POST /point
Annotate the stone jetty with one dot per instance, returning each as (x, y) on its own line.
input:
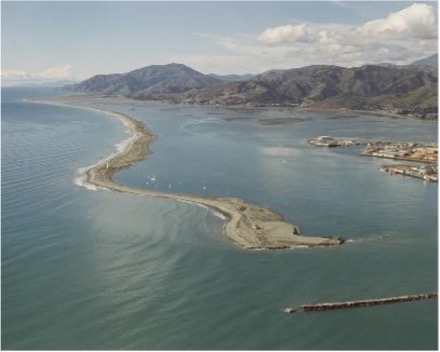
(307, 308)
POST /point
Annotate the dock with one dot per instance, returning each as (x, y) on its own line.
(307, 308)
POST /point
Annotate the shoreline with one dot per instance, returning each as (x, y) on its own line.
(341, 110)
(248, 226)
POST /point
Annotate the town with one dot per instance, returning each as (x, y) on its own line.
(409, 151)
(427, 172)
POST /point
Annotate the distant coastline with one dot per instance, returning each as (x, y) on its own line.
(345, 112)
(409, 90)
(249, 226)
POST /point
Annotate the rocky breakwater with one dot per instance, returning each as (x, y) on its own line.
(320, 307)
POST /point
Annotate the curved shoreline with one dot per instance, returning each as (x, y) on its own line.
(247, 225)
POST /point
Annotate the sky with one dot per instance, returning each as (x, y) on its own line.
(50, 41)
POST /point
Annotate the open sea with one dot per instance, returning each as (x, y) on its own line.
(96, 269)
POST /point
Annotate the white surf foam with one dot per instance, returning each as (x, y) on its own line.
(121, 146)
(218, 214)
(124, 122)
(81, 174)
(210, 209)
(81, 179)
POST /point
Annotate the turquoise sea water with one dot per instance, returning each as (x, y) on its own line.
(85, 269)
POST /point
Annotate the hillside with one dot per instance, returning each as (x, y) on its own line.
(151, 82)
(410, 89)
(399, 89)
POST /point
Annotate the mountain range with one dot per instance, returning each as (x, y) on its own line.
(409, 89)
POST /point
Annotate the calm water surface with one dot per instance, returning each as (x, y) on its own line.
(85, 269)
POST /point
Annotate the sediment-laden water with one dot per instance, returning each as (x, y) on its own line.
(84, 269)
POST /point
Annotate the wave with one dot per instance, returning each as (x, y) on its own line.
(211, 210)
(81, 174)
(218, 214)
(81, 180)
(121, 146)
(124, 122)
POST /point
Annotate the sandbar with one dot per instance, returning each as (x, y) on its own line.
(247, 225)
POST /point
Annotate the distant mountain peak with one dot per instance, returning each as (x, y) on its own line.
(148, 82)
(427, 61)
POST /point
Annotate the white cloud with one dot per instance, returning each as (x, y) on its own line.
(56, 72)
(416, 21)
(14, 75)
(289, 34)
(49, 74)
(399, 38)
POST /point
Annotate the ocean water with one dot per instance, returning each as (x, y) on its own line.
(84, 269)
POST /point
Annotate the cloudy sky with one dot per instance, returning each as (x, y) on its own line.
(44, 41)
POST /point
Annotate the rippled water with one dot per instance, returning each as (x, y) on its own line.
(86, 269)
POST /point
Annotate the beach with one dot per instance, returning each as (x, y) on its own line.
(247, 225)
